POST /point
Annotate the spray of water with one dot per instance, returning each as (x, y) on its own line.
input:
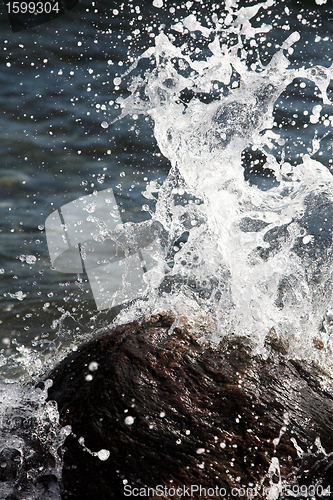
(235, 257)
(30, 441)
(249, 257)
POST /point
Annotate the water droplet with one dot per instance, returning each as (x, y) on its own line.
(103, 455)
(30, 259)
(91, 207)
(129, 420)
(93, 366)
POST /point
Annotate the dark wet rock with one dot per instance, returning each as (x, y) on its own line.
(171, 411)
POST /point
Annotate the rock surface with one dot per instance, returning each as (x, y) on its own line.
(150, 405)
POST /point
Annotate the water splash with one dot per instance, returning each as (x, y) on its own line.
(246, 259)
(30, 440)
(254, 258)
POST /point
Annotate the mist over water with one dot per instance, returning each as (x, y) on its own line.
(244, 117)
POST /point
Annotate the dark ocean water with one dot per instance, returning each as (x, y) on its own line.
(56, 83)
(56, 90)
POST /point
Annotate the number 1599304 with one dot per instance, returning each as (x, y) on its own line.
(32, 7)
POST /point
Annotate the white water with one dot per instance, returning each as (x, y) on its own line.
(30, 442)
(252, 260)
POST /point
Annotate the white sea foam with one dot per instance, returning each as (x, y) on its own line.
(254, 259)
(30, 439)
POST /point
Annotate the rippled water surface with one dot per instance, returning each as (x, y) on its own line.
(56, 90)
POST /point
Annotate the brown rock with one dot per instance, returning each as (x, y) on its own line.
(174, 412)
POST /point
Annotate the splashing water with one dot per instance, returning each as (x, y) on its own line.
(249, 256)
(238, 257)
(30, 439)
